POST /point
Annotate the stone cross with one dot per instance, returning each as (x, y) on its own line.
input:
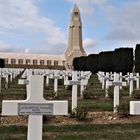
(11, 76)
(0, 79)
(5, 75)
(66, 76)
(137, 81)
(47, 74)
(116, 83)
(116, 90)
(120, 79)
(103, 81)
(131, 79)
(35, 106)
(55, 75)
(102, 78)
(83, 82)
(7, 78)
(107, 78)
(74, 82)
(28, 74)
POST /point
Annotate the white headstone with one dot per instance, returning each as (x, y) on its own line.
(35, 106)
(135, 107)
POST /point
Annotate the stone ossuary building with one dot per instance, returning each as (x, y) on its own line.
(74, 49)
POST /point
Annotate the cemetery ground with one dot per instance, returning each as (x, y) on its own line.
(100, 123)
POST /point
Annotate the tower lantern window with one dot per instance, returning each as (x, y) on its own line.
(76, 13)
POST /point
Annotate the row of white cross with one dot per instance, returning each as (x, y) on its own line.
(8, 74)
(35, 105)
(116, 80)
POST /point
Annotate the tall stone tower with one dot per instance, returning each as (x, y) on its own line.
(75, 46)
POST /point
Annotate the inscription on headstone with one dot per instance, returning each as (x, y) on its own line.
(35, 109)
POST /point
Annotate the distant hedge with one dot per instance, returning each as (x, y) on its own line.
(106, 61)
(80, 63)
(137, 58)
(93, 63)
(2, 63)
(123, 60)
(120, 60)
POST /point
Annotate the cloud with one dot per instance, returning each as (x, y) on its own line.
(27, 50)
(130, 44)
(4, 46)
(88, 43)
(124, 21)
(24, 16)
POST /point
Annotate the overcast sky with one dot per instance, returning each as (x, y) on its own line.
(41, 26)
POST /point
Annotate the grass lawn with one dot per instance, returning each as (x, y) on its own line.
(77, 132)
(82, 131)
(96, 105)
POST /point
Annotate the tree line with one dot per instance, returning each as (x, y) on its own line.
(120, 60)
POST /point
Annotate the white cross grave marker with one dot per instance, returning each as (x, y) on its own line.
(130, 81)
(35, 106)
(102, 78)
(0, 79)
(137, 81)
(120, 78)
(83, 82)
(56, 77)
(66, 76)
(47, 78)
(107, 78)
(48, 74)
(5, 75)
(74, 82)
(117, 85)
(103, 81)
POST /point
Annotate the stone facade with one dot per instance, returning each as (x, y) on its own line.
(33, 59)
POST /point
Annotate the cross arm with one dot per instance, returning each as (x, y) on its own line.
(12, 107)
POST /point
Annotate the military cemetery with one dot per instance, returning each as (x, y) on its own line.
(75, 96)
